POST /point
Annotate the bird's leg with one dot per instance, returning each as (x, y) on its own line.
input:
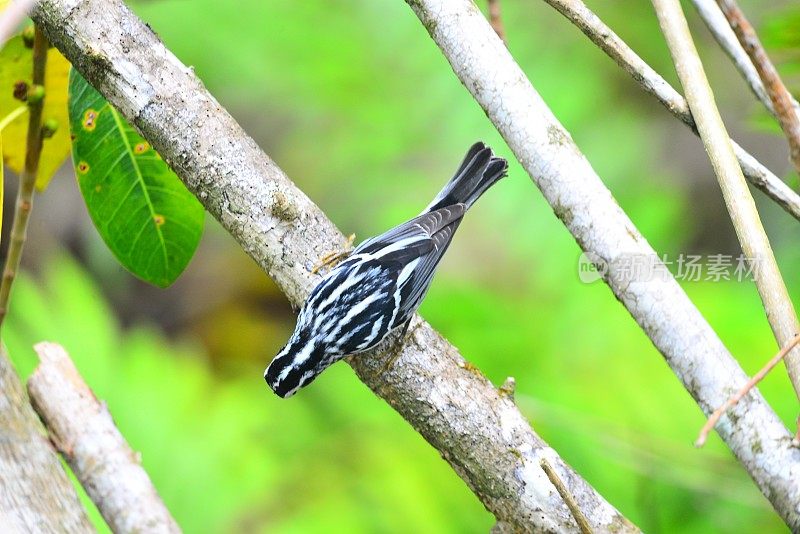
(332, 259)
(397, 347)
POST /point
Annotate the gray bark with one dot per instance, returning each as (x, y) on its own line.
(98, 454)
(578, 197)
(478, 430)
(35, 493)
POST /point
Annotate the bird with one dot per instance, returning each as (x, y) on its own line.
(379, 286)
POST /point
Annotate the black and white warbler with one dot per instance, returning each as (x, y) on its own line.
(382, 283)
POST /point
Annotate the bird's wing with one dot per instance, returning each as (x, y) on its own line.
(413, 250)
(413, 283)
(413, 232)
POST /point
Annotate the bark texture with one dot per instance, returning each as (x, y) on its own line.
(478, 430)
(82, 429)
(35, 493)
(578, 197)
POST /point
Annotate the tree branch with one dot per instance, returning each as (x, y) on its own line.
(565, 494)
(27, 181)
(742, 209)
(496, 19)
(478, 431)
(610, 43)
(578, 197)
(719, 27)
(35, 493)
(82, 429)
(753, 382)
(782, 101)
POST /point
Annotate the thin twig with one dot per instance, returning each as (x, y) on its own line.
(27, 181)
(718, 25)
(752, 237)
(569, 500)
(782, 101)
(496, 20)
(744, 390)
(796, 439)
(610, 43)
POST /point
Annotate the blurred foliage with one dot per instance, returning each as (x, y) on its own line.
(360, 109)
(225, 454)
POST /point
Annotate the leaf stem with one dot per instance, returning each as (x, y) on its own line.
(27, 182)
(11, 117)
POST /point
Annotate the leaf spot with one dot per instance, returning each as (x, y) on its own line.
(83, 167)
(159, 219)
(90, 120)
(141, 148)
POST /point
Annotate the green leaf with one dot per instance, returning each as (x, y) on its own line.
(16, 65)
(143, 212)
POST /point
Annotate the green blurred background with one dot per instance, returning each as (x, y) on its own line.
(355, 102)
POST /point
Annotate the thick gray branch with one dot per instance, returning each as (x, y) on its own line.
(694, 352)
(652, 82)
(35, 493)
(82, 429)
(478, 430)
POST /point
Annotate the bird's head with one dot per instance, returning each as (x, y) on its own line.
(297, 364)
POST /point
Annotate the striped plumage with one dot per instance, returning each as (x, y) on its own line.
(380, 286)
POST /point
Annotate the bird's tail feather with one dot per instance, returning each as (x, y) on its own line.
(478, 172)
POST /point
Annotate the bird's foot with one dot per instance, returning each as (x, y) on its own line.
(332, 259)
(398, 345)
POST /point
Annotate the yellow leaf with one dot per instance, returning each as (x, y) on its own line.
(2, 181)
(16, 64)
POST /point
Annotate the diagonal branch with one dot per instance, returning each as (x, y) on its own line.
(741, 207)
(719, 27)
(35, 493)
(652, 82)
(782, 101)
(479, 431)
(752, 430)
(84, 433)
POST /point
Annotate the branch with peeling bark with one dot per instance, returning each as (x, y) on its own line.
(35, 493)
(609, 42)
(479, 431)
(82, 429)
(566, 179)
